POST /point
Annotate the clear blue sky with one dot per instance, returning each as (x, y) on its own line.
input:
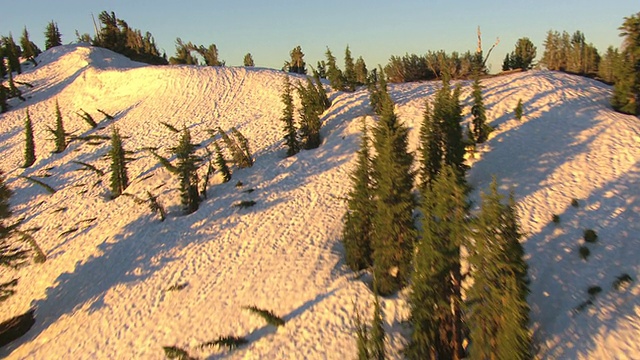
(374, 29)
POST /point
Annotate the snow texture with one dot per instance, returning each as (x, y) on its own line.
(106, 289)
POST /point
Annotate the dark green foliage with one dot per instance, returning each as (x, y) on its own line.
(433, 65)
(174, 352)
(362, 336)
(350, 80)
(267, 315)
(116, 35)
(119, 178)
(29, 49)
(183, 54)
(39, 256)
(518, 110)
(498, 313)
(377, 334)
(59, 135)
(584, 252)
(170, 127)
(165, 163)
(52, 36)
(313, 105)
(441, 139)
(290, 131)
(358, 227)
(221, 163)
(436, 299)
(522, 57)
(590, 236)
(594, 290)
(229, 342)
(336, 79)
(7, 288)
(378, 94)
(238, 147)
(575, 203)
(88, 119)
(210, 170)
(555, 218)
(394, 231)
(155, 206)
(3, 66)
(622, 281)
(297, 64)
(361, 71)
(480, 128)
(248, 60)
(29, 143)
(322, 93)
(626, 92)
(4, 94)
(506, 63)
(48, 188)
(14, 92)
(12, 52)
(570, 53)
(187, 172)
(321, 69)
(245, 204)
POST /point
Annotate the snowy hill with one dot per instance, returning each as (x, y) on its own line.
(104, 291)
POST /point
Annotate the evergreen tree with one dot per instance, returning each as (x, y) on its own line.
(119, 178)
(29, 143)
(498, 310)
(321, 69)
(431, 148)
(378, 94)
(506, 63)
(12, 52)
(322, 93)
(518, 110)
(358, 226)
(312, 107)
(59, 135)
(243, 145)
(436, 299)
(297, 64)
(608, 65)
(290, 131)
(376, 341)
(350, 79)
(3, 66)
(478, 111)
(248, 60)
(187, 172)
(361, 71)
(221, 163)
(626, 92)
(336, 79)
(394, 232)
(29, 49)
(523, 55)
(183, 54)
(52, 36)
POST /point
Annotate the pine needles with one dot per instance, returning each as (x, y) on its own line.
(267, 315)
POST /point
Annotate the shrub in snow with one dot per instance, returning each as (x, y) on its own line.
(88, 119)
(267, 315)
(594, 290)
(518, 110)
(245, 204)
(230, 342)
(590, 236)
(29, 143)
(622, 281)
(174, 352)
(119, 177)
(556, 219)
(575, 203)
(584, 252)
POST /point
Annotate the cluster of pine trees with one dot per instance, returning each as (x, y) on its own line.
(570, 53)
(521, 57)
(184, 54)
(380, 234)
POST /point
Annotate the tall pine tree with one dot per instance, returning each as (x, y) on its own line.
(12, 52)
(29, 49)
(480, 128)
(361, 71)
(29, 143)
(436, 300)
(498, 312)
(626, 91)
(290, 131)
(336, 79)
(119, 178)
(394, 232)
(358, 226)
(187, 172)
(350, 80)
(59, 135)
(52, 36)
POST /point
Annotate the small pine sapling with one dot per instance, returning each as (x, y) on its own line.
(290, 131)
(230, 342)
(59, 135)
(584, 252)
(187, 172)
(590, 236)
(221, 163)
(88, 119)
(267, 315)
(518, 110)
(207, 176)
(30, 147)
(244, 147)
(119, 177)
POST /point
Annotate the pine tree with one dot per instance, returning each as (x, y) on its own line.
(290, 131)
(626, 92)
(187, 172)
(52, 36)
(336, 79)
(297, 64)
(478, 111)
(248, 60)
(29, 49)
(312, 107)
(3, 66)
(243, 144)
(59, 134)
(498, 310)
(506, 63)
(4, 92)
(321, 69)
(436, 299)
(523, 55)
(119, 178)
(378, 94)
(358, 227)
(394, 231)
(29, 143)
(221, 163)
(608, 64)
(361, 71)
(349, 71)
(12, 52)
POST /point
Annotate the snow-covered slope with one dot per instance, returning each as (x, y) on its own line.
(103, 292)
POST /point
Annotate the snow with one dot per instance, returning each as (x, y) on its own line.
(103, 291)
